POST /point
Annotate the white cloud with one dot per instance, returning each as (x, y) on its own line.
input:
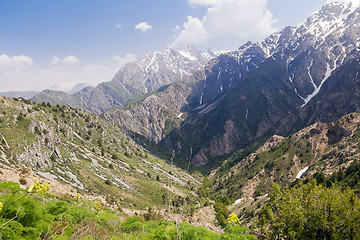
(55, 60)
(240, 18)
(143, 26)
(18, 73)
(15, 63)
(119, 25)
(194, 33)
(14, 71)
(177, 28)
(124, 60)
(71, 60)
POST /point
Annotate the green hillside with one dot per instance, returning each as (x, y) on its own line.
(76, 147)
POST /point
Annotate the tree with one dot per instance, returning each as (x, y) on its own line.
(311, 211)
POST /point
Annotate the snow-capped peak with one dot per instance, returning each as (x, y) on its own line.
(160, 68)
(188, 55)
(329, 18)
(190, 52)
(345, 2)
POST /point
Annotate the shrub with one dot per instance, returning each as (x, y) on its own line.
(311, 211)
(57, 207)
(22, 181)
(131, 224)
(20, 118)
(76, 214)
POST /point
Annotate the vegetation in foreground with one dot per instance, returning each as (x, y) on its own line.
(35, 214)
(311, 211)
(303, 211)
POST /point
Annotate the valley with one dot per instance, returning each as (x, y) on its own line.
(262, 142)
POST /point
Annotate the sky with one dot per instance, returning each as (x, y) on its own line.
(57, 44)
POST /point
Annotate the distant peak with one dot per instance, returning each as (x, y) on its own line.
(347, 4)
(189, 47)
(344, 1)
(189, 52)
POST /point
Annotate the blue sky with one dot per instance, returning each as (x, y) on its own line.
(60, 43)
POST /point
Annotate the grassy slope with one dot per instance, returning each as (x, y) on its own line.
(78, 148)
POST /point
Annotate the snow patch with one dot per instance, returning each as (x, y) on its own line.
(242, 199)
(302, 171)
(202, 94)
(317, 89)
(249, 198)
(299, 95)
(218, 76)
(187, 55)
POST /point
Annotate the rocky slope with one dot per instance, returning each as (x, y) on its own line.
(76, 148)
(155, 116)
(320, 148)
(142, 76)
(290, 80)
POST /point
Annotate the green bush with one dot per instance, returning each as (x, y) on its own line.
(10, 187)
(221, 213)
(237, 232)
(76, 214)
(23, 216)
(189, 232)
(56, 208)
(131, 224)
(31, 215)
(11, 230)
(311, 211)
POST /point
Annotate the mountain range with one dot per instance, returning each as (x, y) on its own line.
(142, 76)
(290, 80)
(206, 106)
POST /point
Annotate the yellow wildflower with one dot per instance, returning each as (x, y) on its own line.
(97, 206)
(233, 219)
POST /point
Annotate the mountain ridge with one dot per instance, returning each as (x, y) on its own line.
(279, 87)
(263, 83)
(143, 75)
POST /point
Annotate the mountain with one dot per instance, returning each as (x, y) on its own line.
(322, 149)
(78, 87)
(155, 116)
(290, 80)
(142, 76)
(77, 149)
